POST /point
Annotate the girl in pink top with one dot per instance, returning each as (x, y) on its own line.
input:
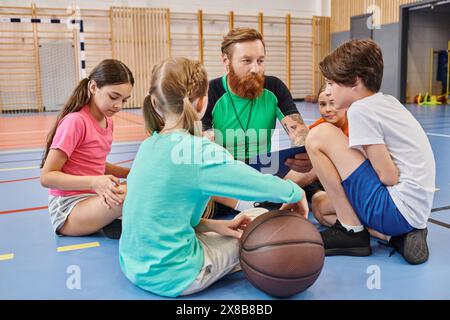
(85, 192)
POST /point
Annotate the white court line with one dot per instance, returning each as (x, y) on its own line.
(438, 135)
(126, 143)
(19, 151)
(40, 150)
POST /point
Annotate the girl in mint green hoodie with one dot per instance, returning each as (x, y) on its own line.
(166, 246)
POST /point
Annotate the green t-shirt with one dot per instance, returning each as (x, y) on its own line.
(234, 118)
(170, 183)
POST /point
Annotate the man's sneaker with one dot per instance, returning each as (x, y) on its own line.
(339, 241)
(412, 246)
(114, 229)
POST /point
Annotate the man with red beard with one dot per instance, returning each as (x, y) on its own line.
(244, 104)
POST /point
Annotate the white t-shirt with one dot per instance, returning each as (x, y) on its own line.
(382, 119)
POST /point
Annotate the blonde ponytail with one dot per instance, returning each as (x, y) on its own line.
(190, 119)
(153, 121)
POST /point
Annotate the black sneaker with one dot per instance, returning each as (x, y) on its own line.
(113, 230)
(268, 205)
(412, 246)
(340, 242)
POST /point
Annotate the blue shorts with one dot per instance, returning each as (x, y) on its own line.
(372, 202)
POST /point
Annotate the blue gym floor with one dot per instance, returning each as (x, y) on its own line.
(32, 267)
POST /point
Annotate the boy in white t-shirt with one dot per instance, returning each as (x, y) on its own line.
(383, 176)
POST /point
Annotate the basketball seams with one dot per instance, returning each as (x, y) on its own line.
(280, 244)
(279, 277)
(275, 216)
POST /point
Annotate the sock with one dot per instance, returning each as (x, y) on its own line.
(354, 228)
(244, 205)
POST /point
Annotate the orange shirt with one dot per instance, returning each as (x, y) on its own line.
(322, 120)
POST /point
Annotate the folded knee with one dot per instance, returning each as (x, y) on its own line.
(318, 215)
(319, 135)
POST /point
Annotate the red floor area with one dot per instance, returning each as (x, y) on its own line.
(30, 131)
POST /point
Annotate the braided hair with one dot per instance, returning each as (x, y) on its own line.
(175, 84)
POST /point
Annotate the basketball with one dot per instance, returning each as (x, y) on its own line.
(281, 253)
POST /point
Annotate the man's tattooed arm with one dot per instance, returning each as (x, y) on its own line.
(295, 128)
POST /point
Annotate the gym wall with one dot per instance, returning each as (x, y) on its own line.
(301, 9)
(295, 44)
(386, 32)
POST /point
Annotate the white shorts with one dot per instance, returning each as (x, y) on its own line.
(221, 256)
(60, 207)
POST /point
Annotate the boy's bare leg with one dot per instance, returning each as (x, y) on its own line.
(378, 235)
(333, 162)
(323, 209)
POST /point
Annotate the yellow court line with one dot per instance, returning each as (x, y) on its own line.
(19, 168)
(8, 256)
(78, 246)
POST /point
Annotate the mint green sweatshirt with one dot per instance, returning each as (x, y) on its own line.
(171, 181)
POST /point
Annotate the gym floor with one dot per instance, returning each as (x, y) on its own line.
(37, 264)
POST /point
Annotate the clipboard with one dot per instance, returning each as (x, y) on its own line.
(273, 162)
